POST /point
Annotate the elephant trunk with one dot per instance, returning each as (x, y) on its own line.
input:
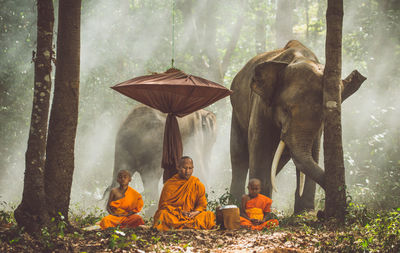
(275, 162)
(308, 166)
(300, 146)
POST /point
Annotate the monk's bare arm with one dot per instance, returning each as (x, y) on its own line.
(111, 199)
(245, 198)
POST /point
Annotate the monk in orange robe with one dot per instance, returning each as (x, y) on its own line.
(123, 204)
(183, 202)
(255, 211)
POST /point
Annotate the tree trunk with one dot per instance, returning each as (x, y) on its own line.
(284, 22)
(204, 39)
(306, 9)
(31, 212)
(335, 200)
(64, 112)
(261, 31)
(209, 41)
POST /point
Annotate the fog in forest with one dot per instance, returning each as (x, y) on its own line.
(124, 39)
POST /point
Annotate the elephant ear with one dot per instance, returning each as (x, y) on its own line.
(266, 79)
(266, 74)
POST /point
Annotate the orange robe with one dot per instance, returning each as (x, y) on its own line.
(183, 195)
(255, 209)
(132, 202)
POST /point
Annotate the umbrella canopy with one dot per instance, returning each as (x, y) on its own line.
(178, 94)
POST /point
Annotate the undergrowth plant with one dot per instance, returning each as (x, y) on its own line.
(225, 199)
(86, 216)
(6, 213)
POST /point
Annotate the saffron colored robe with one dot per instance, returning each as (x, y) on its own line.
(180, 195)
(255, 209)
(132, 202)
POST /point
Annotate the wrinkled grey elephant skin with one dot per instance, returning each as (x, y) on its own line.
(139, 143)
(277, 96)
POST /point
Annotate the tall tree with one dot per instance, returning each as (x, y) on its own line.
(59, 167)
(284, 22)
(203, 44)
(335, 200)
(32, 213)
(261, 29)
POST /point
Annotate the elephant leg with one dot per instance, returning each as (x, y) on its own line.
(151, 178)
(239, 159)
(122, 161)
(263, 140)
(200, 168)
(306, 201)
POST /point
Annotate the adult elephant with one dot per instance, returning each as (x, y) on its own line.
(277, 100)
(139, 144)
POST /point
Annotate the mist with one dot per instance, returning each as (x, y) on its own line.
(124, 39)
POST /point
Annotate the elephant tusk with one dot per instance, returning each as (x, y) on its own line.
(275, 163)
(302, 182)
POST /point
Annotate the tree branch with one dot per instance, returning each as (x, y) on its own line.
(352, 83)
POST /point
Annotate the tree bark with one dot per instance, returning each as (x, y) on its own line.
(335, 199)
(64, 112)
(31, 213)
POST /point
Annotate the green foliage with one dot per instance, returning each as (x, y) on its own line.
(370, 231)
(86, 216)
(6, 213)
(118, 240)
(383, 232)
(61, 225)
(370, 44)
(225, 199)
(46, 238)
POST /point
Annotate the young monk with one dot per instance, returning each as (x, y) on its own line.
(123, 204)
(183, 202)
(255, 211)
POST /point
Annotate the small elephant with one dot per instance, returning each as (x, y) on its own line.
(139, 143)
(277, 100)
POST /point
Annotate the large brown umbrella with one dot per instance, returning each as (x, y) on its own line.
(178, 94)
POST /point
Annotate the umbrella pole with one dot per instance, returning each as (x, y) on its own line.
(173, 34)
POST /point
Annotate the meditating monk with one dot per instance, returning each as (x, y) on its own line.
(255, 211)
(123, 204)
(183, 202)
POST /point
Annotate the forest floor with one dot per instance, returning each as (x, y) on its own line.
(301, 233)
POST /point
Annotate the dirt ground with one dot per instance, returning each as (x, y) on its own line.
(146, 239)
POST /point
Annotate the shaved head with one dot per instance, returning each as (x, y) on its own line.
(125, 172)
(185, 167)
(254, 181)
(183, 159)
(254, 187)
